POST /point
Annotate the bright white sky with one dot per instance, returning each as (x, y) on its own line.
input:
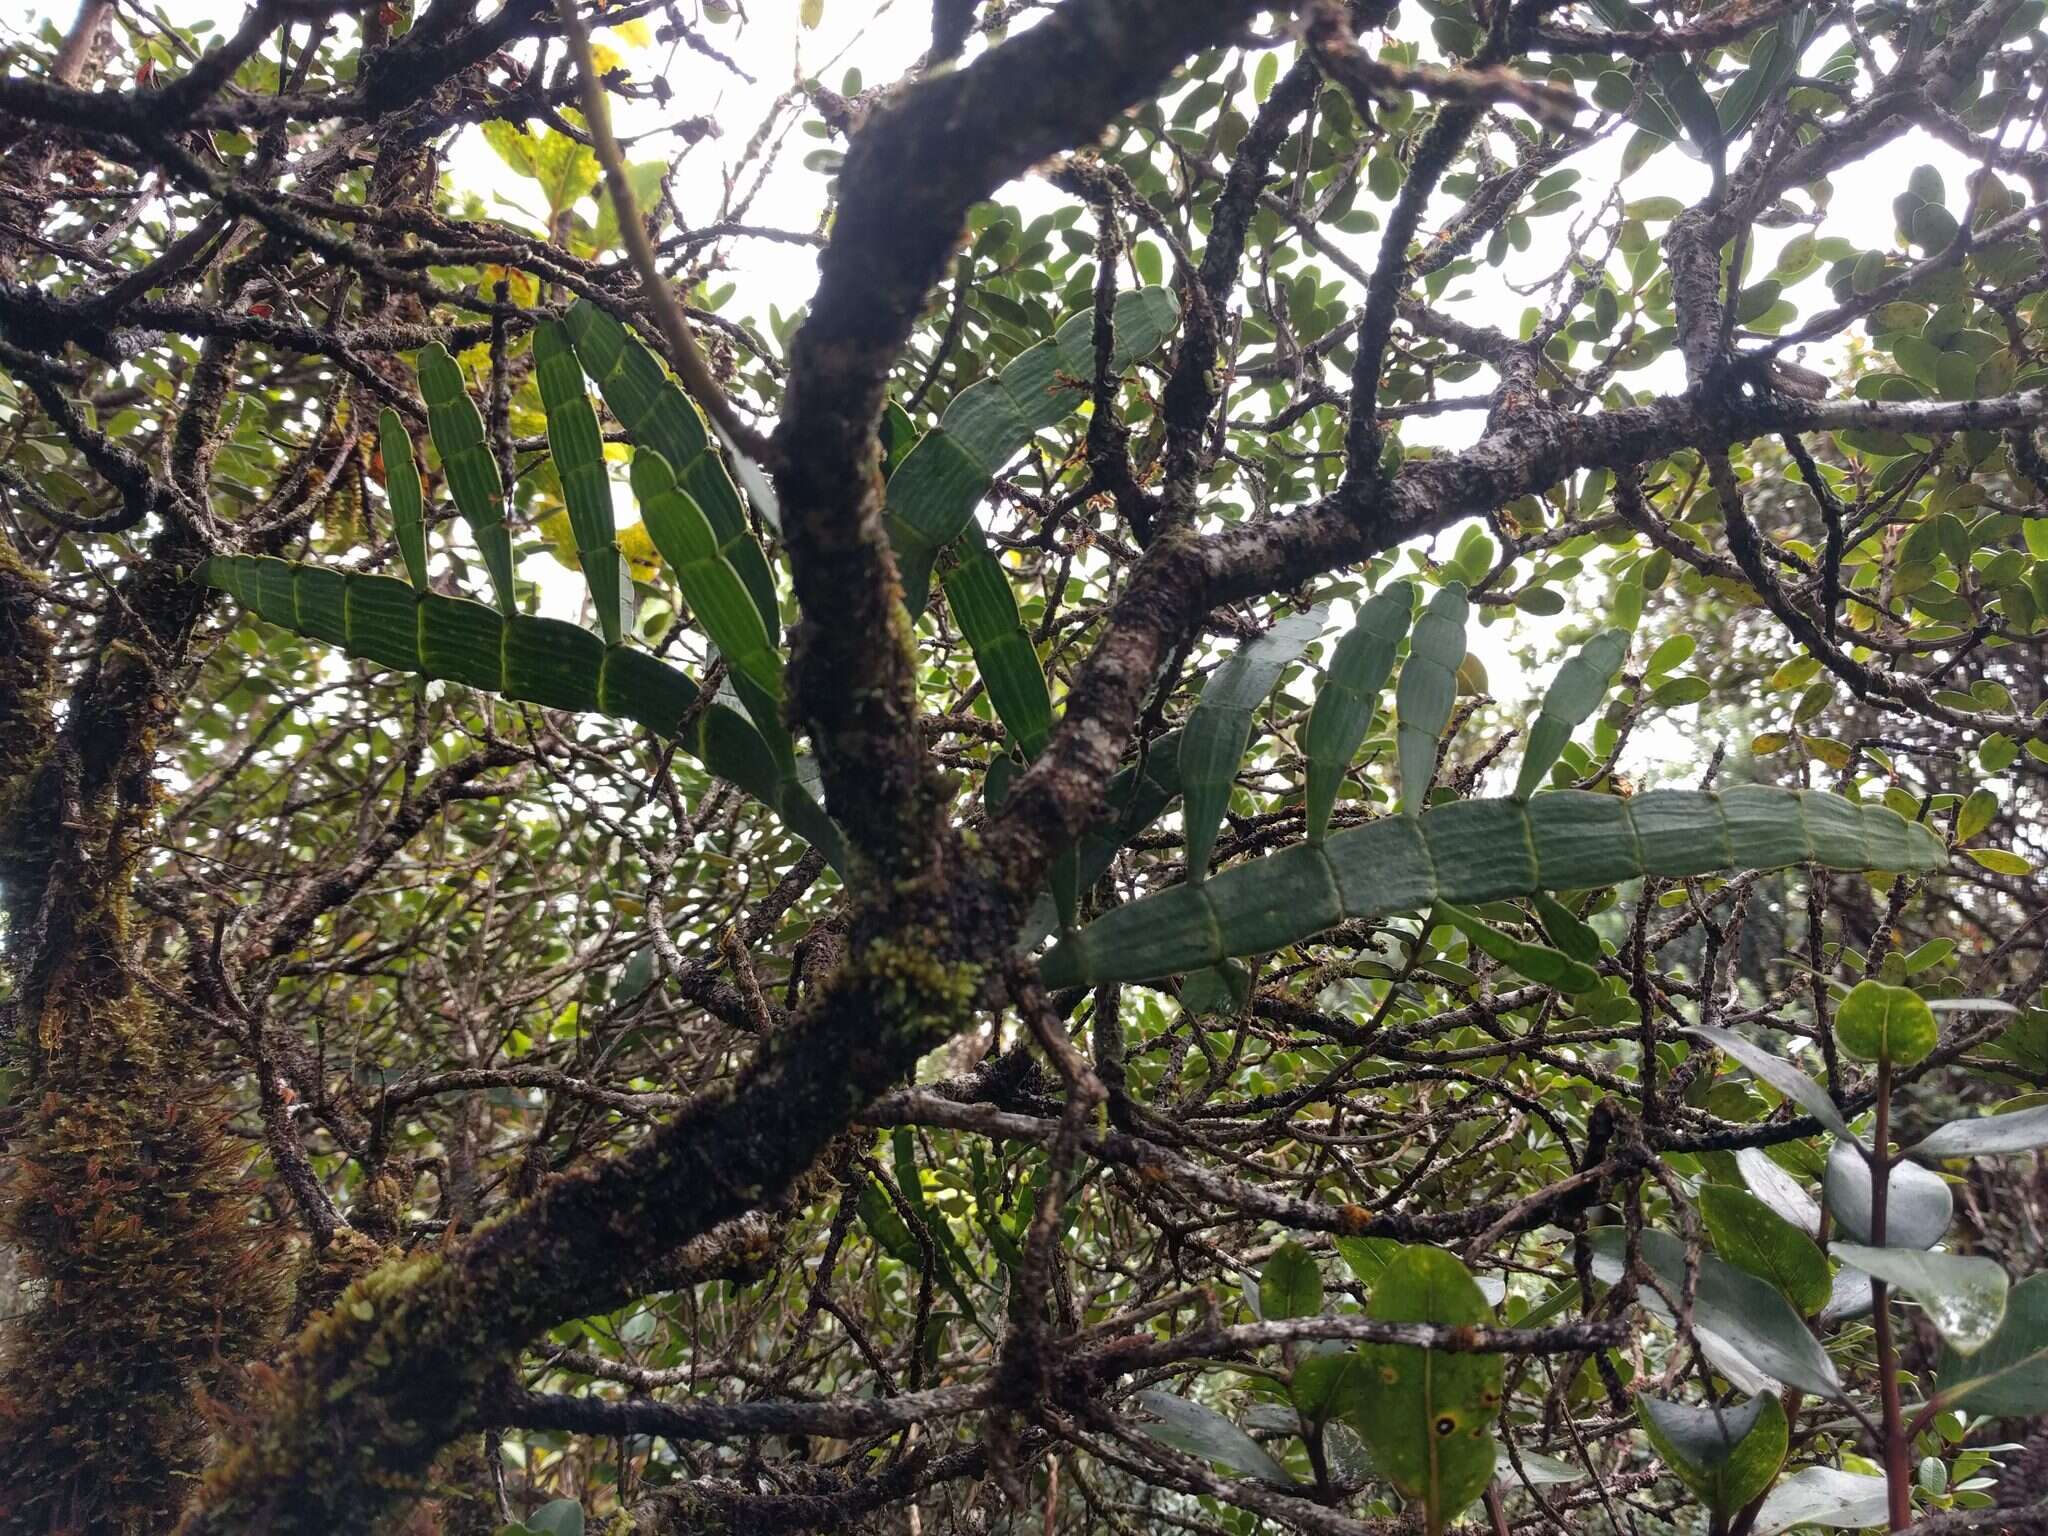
(883, 38)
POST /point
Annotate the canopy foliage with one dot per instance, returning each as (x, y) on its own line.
(1313, 805)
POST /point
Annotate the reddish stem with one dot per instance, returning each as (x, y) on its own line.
(1898, 1461)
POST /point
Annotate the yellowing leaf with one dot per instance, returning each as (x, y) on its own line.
(515, 146)
(2000, 862)
(521, 288)
(561, 539)
(634, 33)
(811, 13)
(1833, 753)
(637, 545)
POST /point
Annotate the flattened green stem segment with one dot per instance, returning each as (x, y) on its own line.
(1345, 703)
(1484, 850)
(986, 610)
(657, 414)
(539, 661)
(931, 494)
(578, 451)
(716, 595)
(458, 433)
(1581, 683)
(1427, 690)
(402, 486)
(1220, 726)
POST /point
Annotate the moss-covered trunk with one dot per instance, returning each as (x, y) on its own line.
(141, 1275)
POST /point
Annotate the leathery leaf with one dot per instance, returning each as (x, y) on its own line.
(2008, 1375)
(1483, 850)
(1752, 1236)
(1350, 691)
(1427, 1415)
(458, 432)
(1427, 690)
(1565, 928)
(1725, 1455)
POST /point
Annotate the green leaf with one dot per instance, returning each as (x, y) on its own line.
(1474, 556)
(1220, 725)
(565, 168)
(1684, 99)
(1876, 1022)
(561, 1517)
(467, 462)
(1367, 1257)
(1964, 1297)
(513, 145)
(1350, 691)
(1326, 1384)
(1428, 1416)
(1740, 1312)
(949, 1260)
(1918, 1205)
(713, 589)
(537, 660)
(885, 1224)
(1427, 690)
(402, 486)
(2001, 862)
(1727, 1456)
(1221, 989)
(1786, 1197)
(1780, 1074)
(644, 177)
(1201, 1431)
(1977, 813)
(1823, 1496)
(1751, 1236)
(1265, 75)
(1613, 90)
(1290, 1285)
(2021, 1130)
(1581, 683)
(2008, 1375)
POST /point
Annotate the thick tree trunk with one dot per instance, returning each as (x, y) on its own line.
(121, 1200)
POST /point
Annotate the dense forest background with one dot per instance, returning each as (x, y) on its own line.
(1056, 765)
